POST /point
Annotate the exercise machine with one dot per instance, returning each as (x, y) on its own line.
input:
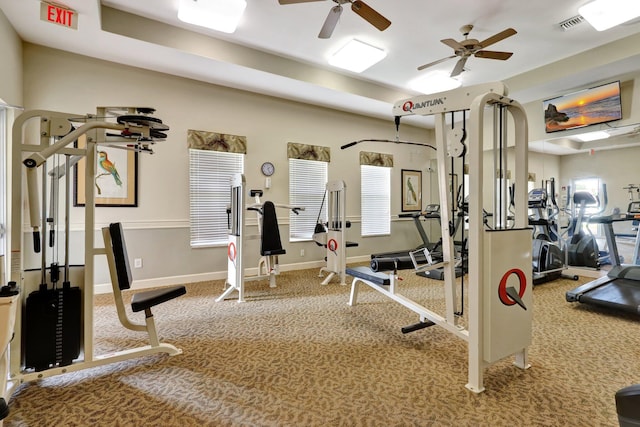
(619, 289)
(628, 406)
(336, 230)
(268, 233)
(9, 300)
(499, 320)
(549, 253)
(430, 212)
(69, 135)
(582, 247)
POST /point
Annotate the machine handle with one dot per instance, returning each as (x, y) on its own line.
(36, 241)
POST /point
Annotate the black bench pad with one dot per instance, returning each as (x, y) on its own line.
(147, 299)
(367, 274)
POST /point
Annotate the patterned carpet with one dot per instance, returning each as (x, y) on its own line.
(298, 355)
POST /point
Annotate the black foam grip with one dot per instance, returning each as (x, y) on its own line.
(416, 326)
(36, 242)
(388, 264)
(351, 144)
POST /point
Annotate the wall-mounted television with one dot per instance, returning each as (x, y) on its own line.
(586, 107)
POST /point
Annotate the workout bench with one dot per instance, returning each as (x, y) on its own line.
(121, 280)
(386, 284)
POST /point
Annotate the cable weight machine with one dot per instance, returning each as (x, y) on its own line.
(58, 135)
(499, 319)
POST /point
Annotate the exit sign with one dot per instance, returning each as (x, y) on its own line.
(58, 14)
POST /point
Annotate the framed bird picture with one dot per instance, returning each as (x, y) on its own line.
(411, 190)
(115, 180)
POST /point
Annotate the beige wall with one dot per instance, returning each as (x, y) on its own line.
(160, 225)
(10, 64)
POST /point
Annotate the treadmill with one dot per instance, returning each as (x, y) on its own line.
(432, 211)
(620, 288)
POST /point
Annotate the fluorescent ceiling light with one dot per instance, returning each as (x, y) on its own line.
(357, 56)
(435, 81)
(604, 14)
(219, 15)
(592, 136)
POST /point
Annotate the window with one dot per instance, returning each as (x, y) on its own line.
(375, 200)
(307, 184)
(209, 190)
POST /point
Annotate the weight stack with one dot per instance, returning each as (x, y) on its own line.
(52, 327)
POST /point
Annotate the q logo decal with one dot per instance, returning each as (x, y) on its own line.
(509, 295)
(332, 245)
(231, 252)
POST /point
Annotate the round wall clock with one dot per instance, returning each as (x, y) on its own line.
(267, 168)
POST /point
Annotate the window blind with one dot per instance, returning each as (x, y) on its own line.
(375, 200)
(307, 183)
(209, 192)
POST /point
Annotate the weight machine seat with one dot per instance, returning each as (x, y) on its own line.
(628, 405)
(270, 243)
(141, 300)
(147, 299)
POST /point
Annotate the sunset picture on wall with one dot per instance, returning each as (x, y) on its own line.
(583, 108)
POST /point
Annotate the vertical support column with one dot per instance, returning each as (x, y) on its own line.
(89, 240)
(235, 257)
(445, 220)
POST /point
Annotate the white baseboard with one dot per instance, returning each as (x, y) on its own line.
(105, 288)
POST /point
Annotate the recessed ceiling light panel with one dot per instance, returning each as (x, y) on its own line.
(219, 15)
(605, 14)
(356, 56)
(435, 81)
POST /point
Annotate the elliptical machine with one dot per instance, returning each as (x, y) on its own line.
(582, 248)
(549, 251)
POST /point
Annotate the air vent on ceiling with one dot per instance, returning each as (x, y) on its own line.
(568, 24)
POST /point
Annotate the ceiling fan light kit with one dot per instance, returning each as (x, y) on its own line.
(466, 48)
(216, 15)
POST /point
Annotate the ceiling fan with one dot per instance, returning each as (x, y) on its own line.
(468, 47)
(359, 7)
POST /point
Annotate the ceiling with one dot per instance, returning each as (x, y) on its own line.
(275, 49)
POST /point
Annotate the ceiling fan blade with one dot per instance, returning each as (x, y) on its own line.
(295, 1)
(331, 22)
(491, 54)
(370, 15)
(453, 44)
(459, 66)
(431, 64)
(497, 37)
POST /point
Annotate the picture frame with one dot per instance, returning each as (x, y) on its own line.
(411, 182)
(109, 192)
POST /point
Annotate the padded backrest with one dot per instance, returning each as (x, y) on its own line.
(123, 269)
(270, 241)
